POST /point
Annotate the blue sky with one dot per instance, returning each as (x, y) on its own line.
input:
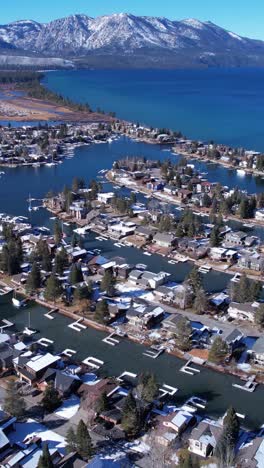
(241, 16)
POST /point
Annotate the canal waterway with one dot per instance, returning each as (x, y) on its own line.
(216, 388)
(17, 184)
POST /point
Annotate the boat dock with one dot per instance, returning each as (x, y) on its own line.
(49, 314)
(125, 374)
(205, 269)
(187, 369)
(167, 390)
(110, 340)
(153, 352)
(249, 386)
(45, 342)
(93, 362)
(69, 352)
(78, 325)
(7, 324)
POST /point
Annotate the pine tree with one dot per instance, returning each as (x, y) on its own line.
(51, 399)
(14, 404)
(259, 316)
(132, 419)
(61, 261)
(215, 237)
(194, 279)
(71, 443)
(183, 335)
(45, 460)
(218, 351)
(108, 283)
(102, 312)
(53, 289)
(147, 387)
(231, 427)
(34, 279)
(225, 448)
(200, 302)
(102, 403)
(44, 255)
(57, 232)
(83, 440)
(76, 275)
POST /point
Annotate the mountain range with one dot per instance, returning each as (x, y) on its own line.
(127, 40)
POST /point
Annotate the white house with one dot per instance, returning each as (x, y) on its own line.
(204, 437)
(244, 311)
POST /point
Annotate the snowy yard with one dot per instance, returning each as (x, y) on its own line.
(69, 408)
(30, 428)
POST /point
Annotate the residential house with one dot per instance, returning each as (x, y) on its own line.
(105, 197)
(204, 438)
(31, 368)
(251, 261)
(144, 316)
(258, 351)
(164, 240)
(245, 311)
(235, 238)
(180, 421)
(251, 454)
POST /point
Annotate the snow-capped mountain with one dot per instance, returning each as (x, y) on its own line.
(158, 40)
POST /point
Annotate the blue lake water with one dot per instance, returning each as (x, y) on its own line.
(219, 104)
(222, 105)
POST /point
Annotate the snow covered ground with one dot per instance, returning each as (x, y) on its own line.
(130, 291)
(30, 428)
(69, 408)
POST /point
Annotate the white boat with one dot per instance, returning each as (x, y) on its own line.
(29, 331)
(241, 172)
(16, 302)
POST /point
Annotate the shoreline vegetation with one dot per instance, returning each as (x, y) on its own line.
(24, 99)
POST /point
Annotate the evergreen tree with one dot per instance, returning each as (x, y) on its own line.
(225, 448)
(44, 256)
(76, 275)
(51, 399)
(53, 288)
(14, 404)
(83, 441)
(218, 351)
(132, 419)
(194, 279)
(71, 442)
(61, 261)
(147, 387)
(183, 335)
(102, 312)
(102, 403)
(200, 302)
(45, 460)
(215, 239)
(259, 316)
(34, 279)
(57, 232)
(108, 283)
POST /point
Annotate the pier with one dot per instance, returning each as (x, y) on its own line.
(45, 342)
(92, 362)
(166, 390)
(69, 352)
(78, 325)
(49, 314)
(249, 386)
(125, 374)
(7, 324)
(153, 352)
(187, 369)
(110, 340)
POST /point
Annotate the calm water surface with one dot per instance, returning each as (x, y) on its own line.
(219, 104)
(204, 104)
